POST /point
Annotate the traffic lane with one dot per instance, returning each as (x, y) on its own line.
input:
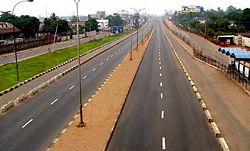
(138, 124)
(54, 91)
(230, 122)
(130, 134)
(185, 120)
(36, 82)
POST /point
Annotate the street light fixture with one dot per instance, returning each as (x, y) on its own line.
(14, 37)
(137, 23)
(131, 49)
(81, 123)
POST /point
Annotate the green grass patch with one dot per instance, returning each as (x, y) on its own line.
(30, 67)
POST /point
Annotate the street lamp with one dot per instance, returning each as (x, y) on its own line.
(81, 123)
(131, 49)
(14, 38)
(137, 23)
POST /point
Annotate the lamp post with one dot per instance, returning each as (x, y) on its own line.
(137, 23)
(131, 43)
(81, 123)
(14, 37)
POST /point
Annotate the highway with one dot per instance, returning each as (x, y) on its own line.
(161, 110)
(22, 55)
(35, 123)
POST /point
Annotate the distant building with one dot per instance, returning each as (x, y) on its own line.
(100, 14)
(6, 30)
(103, 24)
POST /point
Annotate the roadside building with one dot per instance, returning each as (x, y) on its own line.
(6, 31)
(103, 24)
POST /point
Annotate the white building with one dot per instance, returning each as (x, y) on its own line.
(103, 24)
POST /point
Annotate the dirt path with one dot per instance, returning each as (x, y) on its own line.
(101, 112)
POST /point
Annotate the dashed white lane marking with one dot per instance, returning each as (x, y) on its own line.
(84, 77)
(54, 102)
(159, 62)
(160, 67)
(160, 74)
(27, 123)
(159, 59)
(107, 59)
(94, 69)
(160, 84)
(161, 95)
(163, 143)
(101, 64)
(71, 87)
(162, 114)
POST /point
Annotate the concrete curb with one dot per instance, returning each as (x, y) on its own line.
(213, 126)
(66, 62)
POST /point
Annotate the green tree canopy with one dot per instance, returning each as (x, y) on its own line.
(27, 24)
(115, 20)
(91, 24)
(51, 23)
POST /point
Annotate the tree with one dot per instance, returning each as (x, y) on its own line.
(246, 18)
(91, 24)
(51, 23)
(27, 24)
(115, 20)
(231, 8)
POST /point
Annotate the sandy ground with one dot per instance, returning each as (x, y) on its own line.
(101, 113)
(228, 103)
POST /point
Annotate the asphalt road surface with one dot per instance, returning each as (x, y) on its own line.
(22, 55)
(161, 110)
(35, 123)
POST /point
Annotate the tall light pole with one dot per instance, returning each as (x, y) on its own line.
(14, 36)
(137, 22)
(131, 49)
(81, 123)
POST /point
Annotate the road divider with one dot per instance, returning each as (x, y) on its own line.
(7, 106)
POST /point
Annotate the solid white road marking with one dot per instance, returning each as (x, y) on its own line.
(160, 84)
(161, 95)
(27, 123)
(53, 102)
(94, 69)
(163, 142)
(101, 64)
(71, 87)
(160, 74)
(84, 77)
(162, 114)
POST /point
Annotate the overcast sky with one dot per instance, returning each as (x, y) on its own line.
(67, 7)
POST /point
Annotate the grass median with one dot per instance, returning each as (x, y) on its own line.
(30, 67)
